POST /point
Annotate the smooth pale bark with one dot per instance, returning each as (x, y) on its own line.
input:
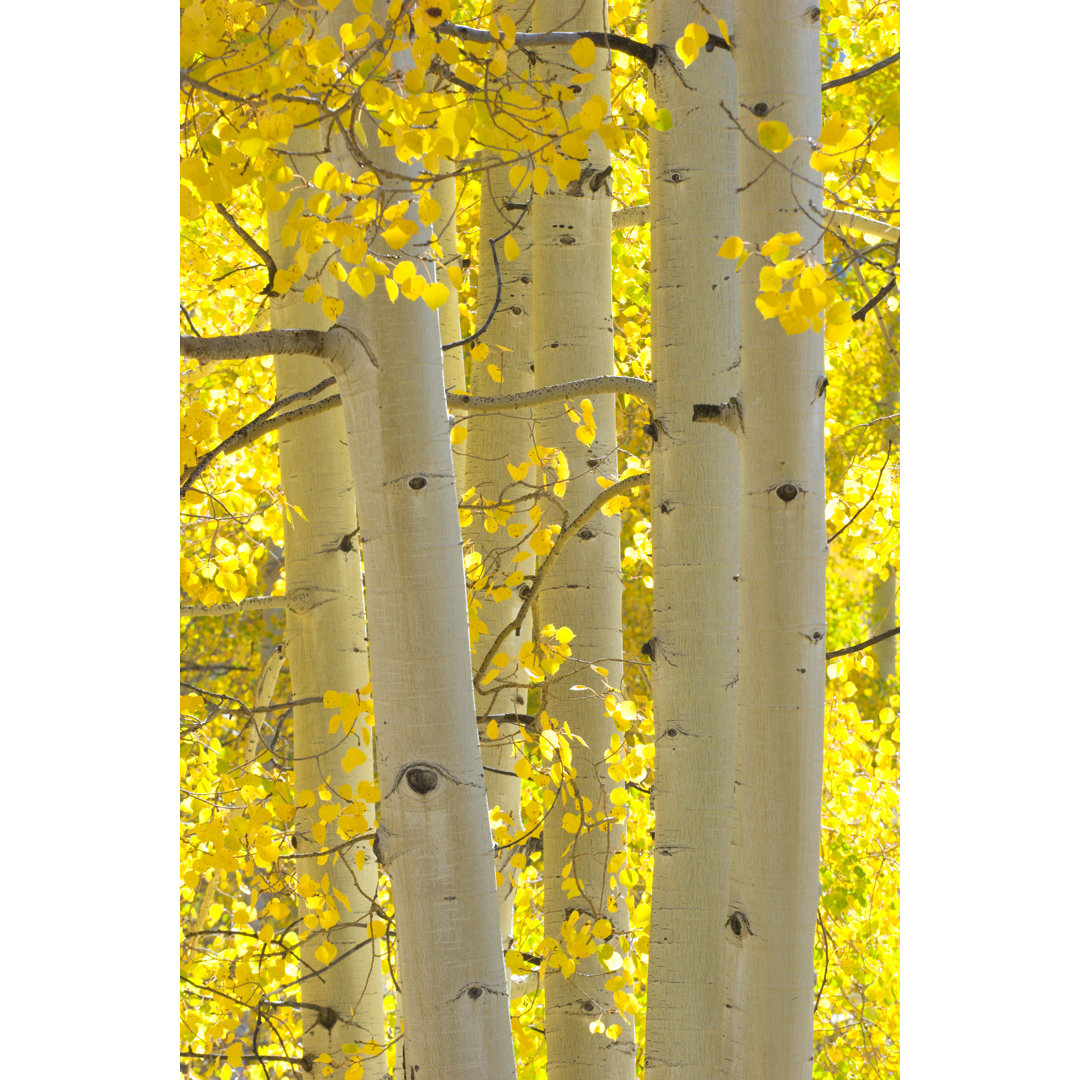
(434, 837)
(326, 649)
(695, 523)
(774, 882)
(572, 335)
(495, 441)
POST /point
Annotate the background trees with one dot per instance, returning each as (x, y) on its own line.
(392, 103)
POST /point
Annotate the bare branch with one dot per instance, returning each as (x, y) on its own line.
(846, 219)
(259, 343)
(862, 73)
(244, 436)
(268, 262)
(271, 420)
(630, 216)
(851, 519)
(600, 384)
(251, 603)
(874, 300)
(862, 644)
(605, 496)
(616, 42)
(322, 344)
(494, 306)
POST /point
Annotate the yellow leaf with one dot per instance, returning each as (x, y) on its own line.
(428, 209)
(583, 53)
(400, 233)
(435, 294)
(774, 135)
(332, 308)
(593, 112)
(495, 373)
(353, 756)
(511, 248)
(690, 44)
(731, 248)
(518, 472)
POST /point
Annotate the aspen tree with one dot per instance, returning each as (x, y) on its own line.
(502, 364)
(695, 521)
(572, 335)
(327, 651)
(434, 838)
(774, 884)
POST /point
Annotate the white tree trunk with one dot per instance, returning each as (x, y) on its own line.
(495, 441)
(572, 335)
(695, 522)
(326, 648)
(774, 884)
(434, 838)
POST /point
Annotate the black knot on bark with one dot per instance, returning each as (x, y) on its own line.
(422, 780)
(739, 924)
(417, 483)
(787, 492)
(475, 992)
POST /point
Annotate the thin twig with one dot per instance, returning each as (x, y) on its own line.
(825, 971)
(605, 496)
(862, 73)
(268, 262)
(874, 300)
(243, 435)
(494, 306)
(862, 644)
(868, 501)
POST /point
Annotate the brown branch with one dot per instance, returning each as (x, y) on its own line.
(874, 300)
(256, 344)
(616, 42)
(868, 501)
(268, 262)
(642, 389)
(862, 73)
(494, 306)
(863, 644)
(627, 482)
(322, 344)
(242, 436)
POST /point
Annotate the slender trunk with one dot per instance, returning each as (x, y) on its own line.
(695, 523)
(434, 838)
(774, 883)
(572, 334)
(327, 651)
(496, 441)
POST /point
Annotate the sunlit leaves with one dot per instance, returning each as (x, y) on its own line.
(583, 53)
(774, 135)
(691, 43)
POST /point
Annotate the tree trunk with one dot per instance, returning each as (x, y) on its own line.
(327, 651)
(695, 523)
(495, 441)
(774, 884)
(572, 335)
(434, 838)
